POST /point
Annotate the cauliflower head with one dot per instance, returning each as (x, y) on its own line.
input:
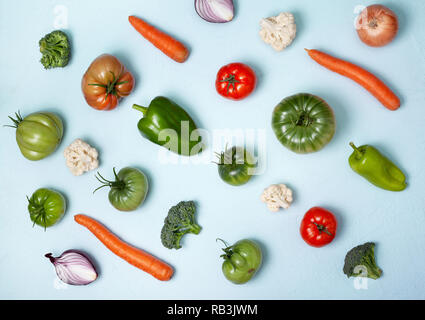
(277, 196)
(80, 157)
(278, 31)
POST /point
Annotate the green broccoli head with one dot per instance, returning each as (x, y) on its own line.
(360, 262)
(179, 221)
(55, 49)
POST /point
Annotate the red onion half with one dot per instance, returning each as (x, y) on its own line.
(216, 11)
(73, 267)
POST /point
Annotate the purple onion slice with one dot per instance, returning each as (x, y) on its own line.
(73, 267)
(216, 11)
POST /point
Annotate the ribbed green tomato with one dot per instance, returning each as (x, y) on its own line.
(46, 207)
(38, 134)
(129, 189)
(236, 166)
(303, 123)
(241, 261)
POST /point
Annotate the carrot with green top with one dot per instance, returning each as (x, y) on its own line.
(363, 77)
(132, 255)
(164, 42)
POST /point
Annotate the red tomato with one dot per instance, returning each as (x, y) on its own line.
(318, 227)
(235, 81)
(106, 82)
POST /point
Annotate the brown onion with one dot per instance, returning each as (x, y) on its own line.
(377, 25)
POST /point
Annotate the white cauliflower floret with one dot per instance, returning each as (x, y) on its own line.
(80, 157)
(277, 196)
(278, 31)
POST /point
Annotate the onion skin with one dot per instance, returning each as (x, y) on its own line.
(215, 11)
(73, 267)
(377, 25)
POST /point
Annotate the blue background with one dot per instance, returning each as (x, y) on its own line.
(291, 269)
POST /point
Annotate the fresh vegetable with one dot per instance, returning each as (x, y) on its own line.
(164, 42)
(217, 11)
(236, 166)
(179, 221)
(74, 267)
(128, 189)
(277, 196)
(55, 49)
(360, 262)
(241, 260)
(38, 134)
(303, 123)
(368, 162)
(363, 77)
(318, 227)
(235, 81)
(106, 82)
(80, 157)
(377, 25)
(279, 31)
(167, 124)
(46, 207)
(137, 257)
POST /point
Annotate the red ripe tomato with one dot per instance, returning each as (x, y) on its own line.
(235, 81)
(318, 227)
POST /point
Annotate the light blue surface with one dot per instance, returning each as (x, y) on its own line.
(291, 269)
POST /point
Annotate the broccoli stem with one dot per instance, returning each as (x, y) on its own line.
(373, 270)
(194, 228)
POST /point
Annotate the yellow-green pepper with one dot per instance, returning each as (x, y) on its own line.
(368, 162)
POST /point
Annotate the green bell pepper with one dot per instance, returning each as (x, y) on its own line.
(169, 125)
(368, 162)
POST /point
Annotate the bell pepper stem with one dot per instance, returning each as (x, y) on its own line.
(356, 150)
(140, 108)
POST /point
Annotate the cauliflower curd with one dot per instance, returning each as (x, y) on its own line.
(277, 196)
(80, 157)
(278, 31)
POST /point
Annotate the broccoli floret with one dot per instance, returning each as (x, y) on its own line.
(55, 49)
(362, 255)
(179, 221)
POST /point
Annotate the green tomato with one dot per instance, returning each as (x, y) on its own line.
(241, 261)
(38, 134)
(303, 123)
(129, 189)
(236, 166)
(46, 207)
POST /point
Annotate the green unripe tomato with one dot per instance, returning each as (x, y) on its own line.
(128, 190)
(38, 134)
(46, 207)
(303, 123)
(241, 261)
(236, 166)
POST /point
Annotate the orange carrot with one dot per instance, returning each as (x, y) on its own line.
(363, 77)
(132, 255)
(167, 44)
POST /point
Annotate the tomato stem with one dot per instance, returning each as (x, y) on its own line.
(231, 80)
(322, 228)
(110, 87)
(39, 212)
(16, 121)
(118, 184)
